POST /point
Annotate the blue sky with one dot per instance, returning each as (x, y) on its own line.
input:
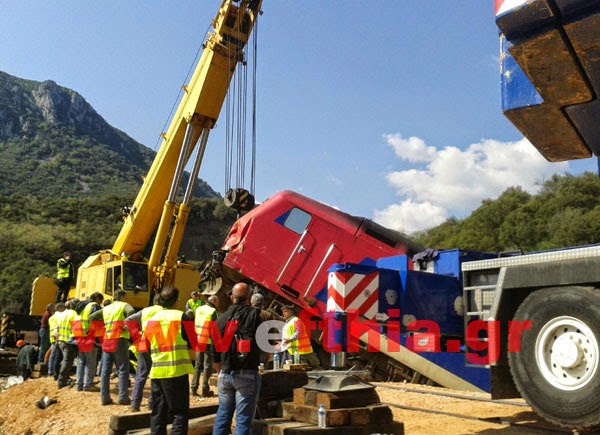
(384, 109)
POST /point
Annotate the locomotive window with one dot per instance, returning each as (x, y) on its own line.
(297, 220)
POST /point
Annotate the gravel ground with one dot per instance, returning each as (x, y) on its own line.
(81, 412)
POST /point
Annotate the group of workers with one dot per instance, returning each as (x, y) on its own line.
(64, 335)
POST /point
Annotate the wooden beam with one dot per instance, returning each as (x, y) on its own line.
(381, 414)
(281, 426)
(120, 424)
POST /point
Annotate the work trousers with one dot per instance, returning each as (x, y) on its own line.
(120, 357)
(64, 285)
(25, 372)
(69, 352)
(238, 392)
(170, 396)
(44, 344)
(86, 368)
(144, 364)
(54, 361)
(204, 365)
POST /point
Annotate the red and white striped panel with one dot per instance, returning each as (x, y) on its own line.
(503, 6)
(353, 291)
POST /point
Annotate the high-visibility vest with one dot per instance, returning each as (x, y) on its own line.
(171, 358)
(302, 343)
(194, 305)
(62, 272)
(85, 317)
(201, 319)
(147, 314)
(64, 325)
(113, 313)
(52, 324)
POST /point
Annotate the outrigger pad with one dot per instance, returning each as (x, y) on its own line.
(334, 384)
(550, 74)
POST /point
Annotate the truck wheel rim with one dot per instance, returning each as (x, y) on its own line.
(567, 353)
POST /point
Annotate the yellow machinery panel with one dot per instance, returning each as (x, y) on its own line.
(186, 281)
(43, 292)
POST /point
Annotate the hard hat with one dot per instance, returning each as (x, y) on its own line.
(20, 343)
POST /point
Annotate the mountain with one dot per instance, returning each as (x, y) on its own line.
(65, 174)
(53, 143)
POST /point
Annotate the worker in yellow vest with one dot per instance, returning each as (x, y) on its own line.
(193, 303)
(203, 316)
(65, 272)
(66, 342)
(87, 357)
(144, 362)
(54, 359)
(171, 365)
(114, 316)
(295, 339)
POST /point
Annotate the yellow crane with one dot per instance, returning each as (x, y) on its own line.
(155, 210)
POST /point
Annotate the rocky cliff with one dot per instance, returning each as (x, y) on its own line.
(53, 142)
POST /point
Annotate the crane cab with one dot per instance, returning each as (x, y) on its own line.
(107, 273)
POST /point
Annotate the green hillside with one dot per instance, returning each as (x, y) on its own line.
(65, 174)
(566, 212)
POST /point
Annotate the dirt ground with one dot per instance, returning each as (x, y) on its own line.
(81, 412)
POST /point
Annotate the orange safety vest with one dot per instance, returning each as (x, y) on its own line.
(292, 325)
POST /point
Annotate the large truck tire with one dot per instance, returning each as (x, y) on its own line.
(556, 369)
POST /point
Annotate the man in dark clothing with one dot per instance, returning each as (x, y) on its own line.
(44, 333)
(258, 301)
(26, 358)
(239, 381)
(64, 277)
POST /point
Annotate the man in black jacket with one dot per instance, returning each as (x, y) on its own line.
(239, 381)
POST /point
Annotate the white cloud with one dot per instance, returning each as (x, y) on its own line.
(412, 149)
(453, 182)
(410, 216)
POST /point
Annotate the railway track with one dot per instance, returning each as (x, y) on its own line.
(452, 395)
(522, 422)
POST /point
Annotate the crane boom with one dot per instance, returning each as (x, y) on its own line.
(199, 107)
(155, 210)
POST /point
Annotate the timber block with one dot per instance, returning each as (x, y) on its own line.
(281, 426)
(338, 400)
(39, 370)
(280, 384)
(276, 426)
(305, 397)
(120, 424)
(361, 416)
(295, 367)
(347, 399)
(196, 426)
